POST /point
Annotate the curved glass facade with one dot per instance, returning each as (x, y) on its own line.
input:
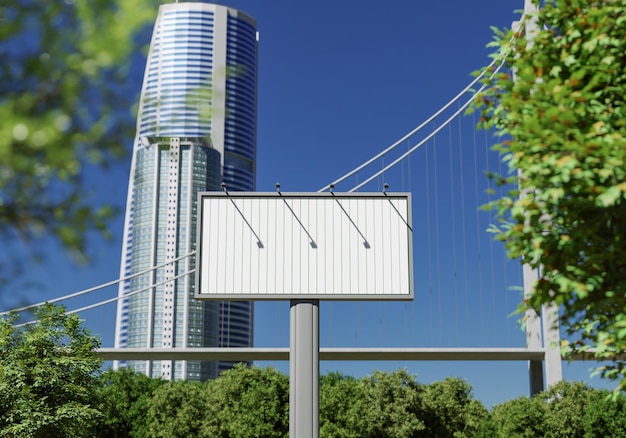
(196, 127)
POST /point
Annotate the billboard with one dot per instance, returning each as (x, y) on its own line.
(326, 246)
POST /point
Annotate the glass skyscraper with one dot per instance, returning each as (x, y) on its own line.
(196, 128)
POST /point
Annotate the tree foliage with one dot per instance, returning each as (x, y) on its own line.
(245, 402)
(563, 119)
(63, 104)
(380, 405)
(343, 407)
(454, 412)
(566, 404)
(519, 418)
(177, 410)
(50, 387)
(605, 416)
(48, 377)
(567, 410)
(396, 405)
(125, 397)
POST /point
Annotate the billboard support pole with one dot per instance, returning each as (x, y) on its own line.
(304, 369)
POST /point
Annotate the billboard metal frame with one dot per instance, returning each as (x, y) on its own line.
(394, 215)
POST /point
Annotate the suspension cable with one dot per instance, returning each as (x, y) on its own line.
(422, 125)
(92, 289)
(111, 300)
(421, 143)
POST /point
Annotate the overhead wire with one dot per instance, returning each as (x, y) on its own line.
(437, 240)
(119, 297)
(95, 288)
(341, 179)
(504, 254)
(453, 225)
(464, 234)
(429, 246)
(428, 137)
(478, 245)
(491, 257)
(418, 128)
(418, 145)
(410, 189)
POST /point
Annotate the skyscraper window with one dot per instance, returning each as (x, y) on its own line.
(196, 127)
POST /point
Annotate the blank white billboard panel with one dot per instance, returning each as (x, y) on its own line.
(268, 246)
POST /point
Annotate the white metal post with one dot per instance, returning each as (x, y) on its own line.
(304, 369)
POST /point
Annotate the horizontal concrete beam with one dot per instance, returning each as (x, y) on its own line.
(228, 354)
(373, 354)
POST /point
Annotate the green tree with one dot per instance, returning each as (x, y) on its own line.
(605, 415)
(48, 377)
(563, 121)
(343, 407)
(246, 402)
(177, 410)
(64, 105)
(519, 418)
(566, 410)
(574, 410)
(395, 404)
(454, 413)
(125, 399)
(566, 404)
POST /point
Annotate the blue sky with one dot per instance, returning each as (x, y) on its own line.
(338, 82)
